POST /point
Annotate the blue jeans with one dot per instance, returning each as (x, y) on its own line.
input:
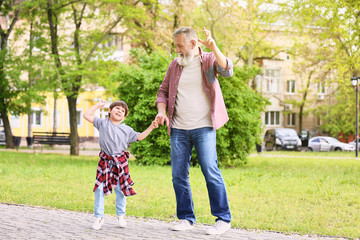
(100, 201)
(182, 143)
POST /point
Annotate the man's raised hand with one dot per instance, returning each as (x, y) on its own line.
(209, 42)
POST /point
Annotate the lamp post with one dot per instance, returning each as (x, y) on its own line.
(355, 83)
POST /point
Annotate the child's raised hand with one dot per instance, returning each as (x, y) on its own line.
(101, 103)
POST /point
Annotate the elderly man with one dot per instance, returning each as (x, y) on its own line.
(191, 93)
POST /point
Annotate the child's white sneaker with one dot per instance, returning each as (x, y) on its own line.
(122, 221)
(98, 223)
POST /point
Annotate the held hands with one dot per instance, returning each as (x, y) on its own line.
(161, 118)
(209, 42)
(154, 124)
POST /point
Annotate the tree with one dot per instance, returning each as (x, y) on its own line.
(16, 92)
(11, 10)
(311, 59)
(336, 22)
(78, 60)
(137, 86)
(243, 30)
(238, 137)
(33, 57)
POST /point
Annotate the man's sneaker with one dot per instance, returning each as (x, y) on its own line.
(122, 221)
(219, 228)
(182, 225)
(98, 223)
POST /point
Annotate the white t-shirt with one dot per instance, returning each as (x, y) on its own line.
(192, 106)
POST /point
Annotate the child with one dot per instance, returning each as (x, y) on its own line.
(113, 169)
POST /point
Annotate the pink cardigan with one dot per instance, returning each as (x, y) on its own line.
(210, 69)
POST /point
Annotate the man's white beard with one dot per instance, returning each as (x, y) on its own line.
(186, 60)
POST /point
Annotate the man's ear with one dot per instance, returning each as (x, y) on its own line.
(193, 43)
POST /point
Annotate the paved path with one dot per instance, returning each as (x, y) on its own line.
(26, 222)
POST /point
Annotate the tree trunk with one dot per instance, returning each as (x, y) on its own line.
(302, 106)
(29, 122)
(30, 75)
(55, 113)
(74, 138)
(301, 116)
(7, 129)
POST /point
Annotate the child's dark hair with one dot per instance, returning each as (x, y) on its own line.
(121, 104)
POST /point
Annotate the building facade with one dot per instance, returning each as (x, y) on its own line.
(285, 86)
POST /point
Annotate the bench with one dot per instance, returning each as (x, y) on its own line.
(51, 138)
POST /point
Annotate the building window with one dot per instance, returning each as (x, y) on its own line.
(15, 121)
(36, 117)
(79, 119)
(319, 120)
(321, 87)
(272, 118)
(272, 80)
(115, 43)
(290, 86)
(291, 119)
(113, 40)
(104, 113)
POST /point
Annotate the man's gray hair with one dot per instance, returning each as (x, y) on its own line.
(190, 33)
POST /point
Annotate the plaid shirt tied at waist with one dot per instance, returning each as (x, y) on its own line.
(118, 172)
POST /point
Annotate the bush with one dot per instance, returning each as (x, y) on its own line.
(238, 137)
(138, 87)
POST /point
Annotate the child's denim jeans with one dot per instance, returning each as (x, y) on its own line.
(100, 201)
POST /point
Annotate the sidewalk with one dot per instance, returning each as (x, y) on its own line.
(26, 222)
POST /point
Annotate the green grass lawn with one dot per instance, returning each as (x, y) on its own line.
(308, 195)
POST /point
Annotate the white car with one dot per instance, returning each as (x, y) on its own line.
(324, 144)
(353, 143)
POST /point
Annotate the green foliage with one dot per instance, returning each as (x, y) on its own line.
(238, 137)
(17, 65)
(339, 117)
(138, 87)
(335, 30)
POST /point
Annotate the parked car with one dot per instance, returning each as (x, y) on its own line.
(2, 137)
(328, 144)
(282, 138)
(353, 143)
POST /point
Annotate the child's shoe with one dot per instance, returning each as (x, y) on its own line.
(98, 223)
(122, 221)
